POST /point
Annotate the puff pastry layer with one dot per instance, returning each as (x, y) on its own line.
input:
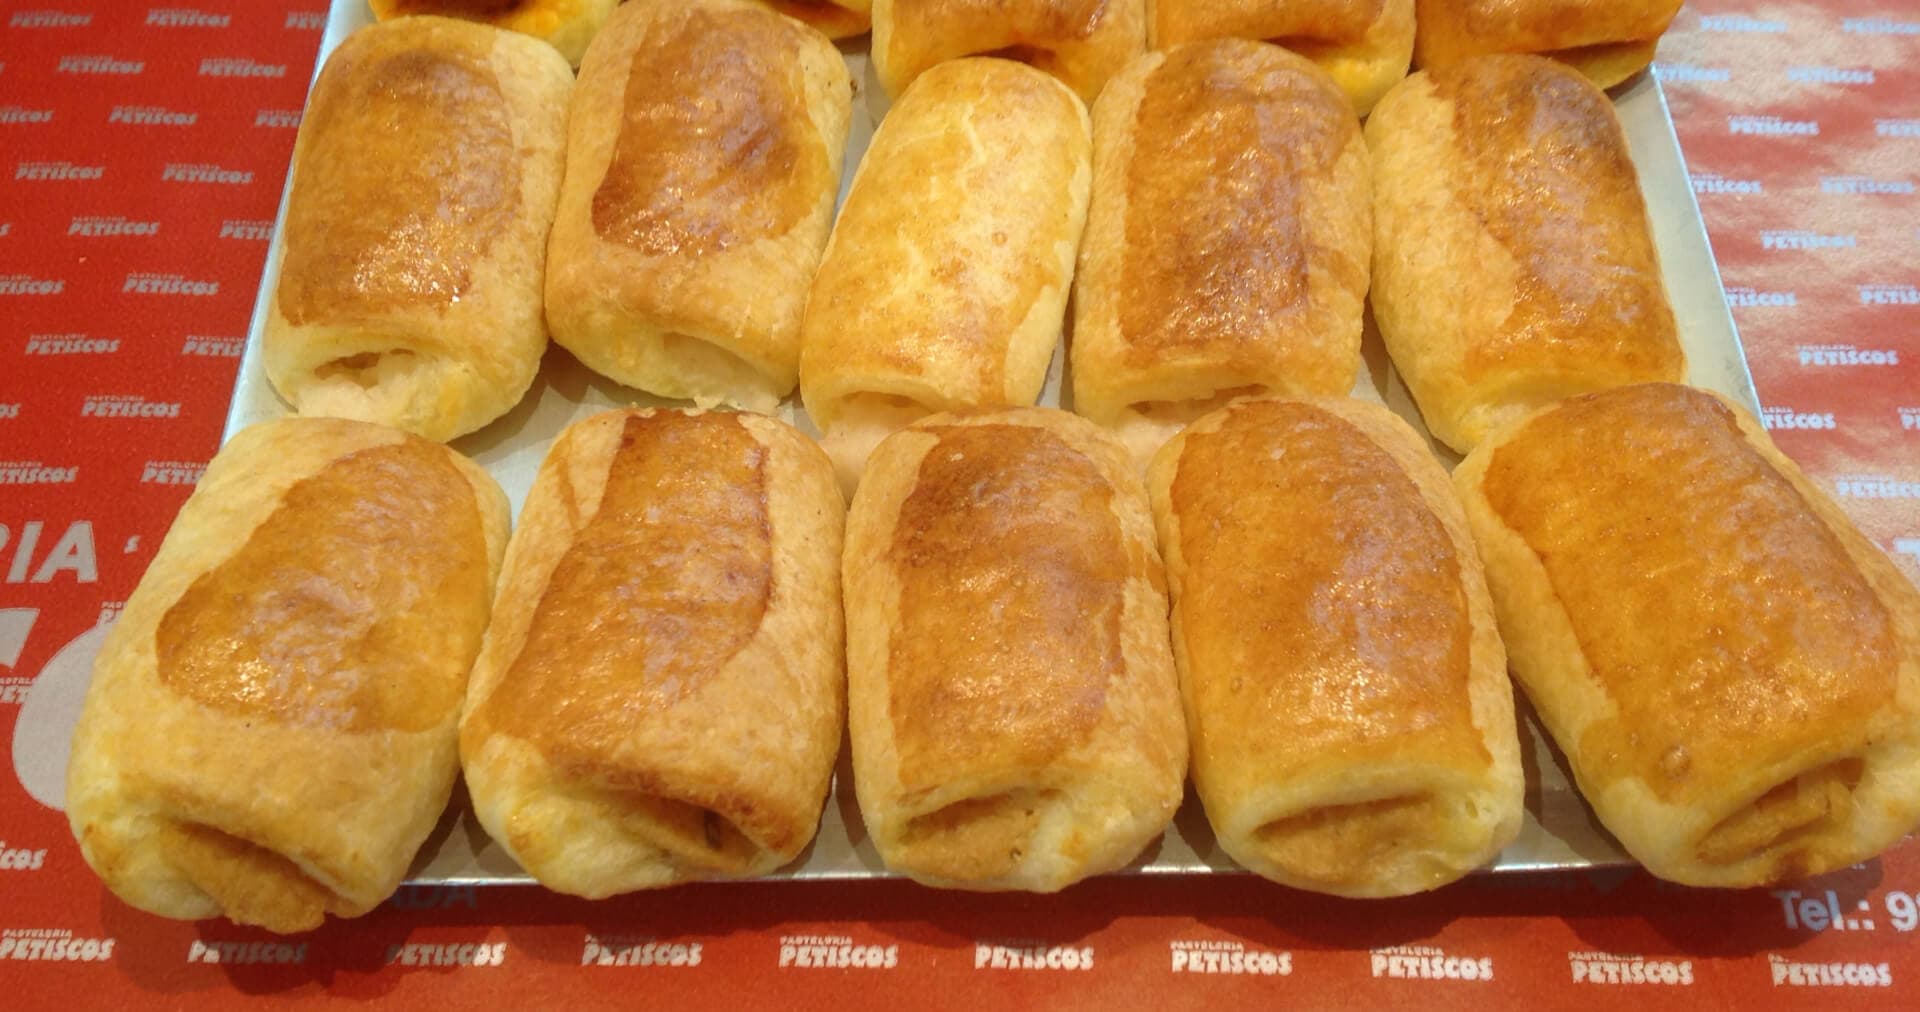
(1227, 241)
(1732, 670)
(270, 732)
(568, 24)
(703, 156)
(423, 185)
(944, 285)
(1364, 45)
(1607, 40)
(1012, 699)
(836, 19)
(660, 694)
(1512, 260)
(1081, 42)
(1346, 690)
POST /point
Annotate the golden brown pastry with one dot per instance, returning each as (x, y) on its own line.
(270, 732)
(1081, 42)
(568, 24)
(659, 698)
(1012, 701)
(1607, 40)
(702, 161)
(945, 283)
(1227, 239)
(1364, 45)
(836, 19)
(1346, 692)
(424, 181)
(1512, 260)
(1732, 670)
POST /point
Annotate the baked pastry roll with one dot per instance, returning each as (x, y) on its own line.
(1732, 670)
(1365, 45)
(1227, 239)
(1013, 706)
(703, 157)
(1346, 691)
(270, 732)
(1081, 42)
(944, 285)
(1607, 40)
(836, 19)
(659, 698)
(1511, 171)
(568, 24)
(424, 181)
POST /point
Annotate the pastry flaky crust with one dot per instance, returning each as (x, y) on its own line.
(1014, 711)
(1732, 670)
(1365, 45)
(703, 157)
(1346, 691)
(944, 285)
(660, 694)
(1607, 40)
(842, 20)
(270, 732)
(567, 24)
(1081, 42)
(1513, 172)
(1228, 239)
(424, 181)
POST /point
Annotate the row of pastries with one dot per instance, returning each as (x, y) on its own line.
(1217, 217)
(1029, 646)
(1365, 45)
(1034, 625)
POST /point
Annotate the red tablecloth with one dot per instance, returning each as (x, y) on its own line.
(144, 149)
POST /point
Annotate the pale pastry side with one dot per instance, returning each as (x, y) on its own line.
(944, 285)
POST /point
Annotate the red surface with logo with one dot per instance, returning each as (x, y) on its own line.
(142, 152)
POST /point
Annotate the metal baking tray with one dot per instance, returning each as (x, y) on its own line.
(1559, 832)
